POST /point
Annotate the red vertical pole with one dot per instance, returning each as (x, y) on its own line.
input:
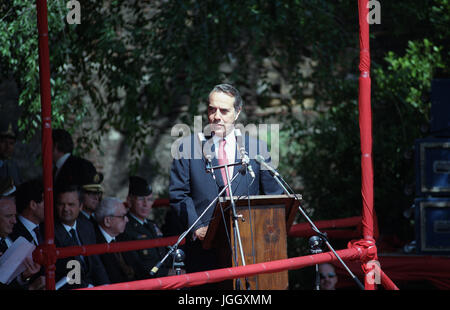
(47, 149)
(365, 125)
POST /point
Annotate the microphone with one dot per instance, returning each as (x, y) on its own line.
(262, 162)
(155, 269)
(244, 156)
(209, 168)
(202, 139)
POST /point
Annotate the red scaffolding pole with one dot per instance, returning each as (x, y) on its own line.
(365, 128)
(365, 122)
(365, 248)
(47, 145)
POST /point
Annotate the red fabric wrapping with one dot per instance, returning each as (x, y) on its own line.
(199, 278)
(369, 260)
(47, 146)
(365, 122)
(366, 244)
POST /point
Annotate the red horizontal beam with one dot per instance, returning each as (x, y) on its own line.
(211, 276)
(304, 229)
(95, 249)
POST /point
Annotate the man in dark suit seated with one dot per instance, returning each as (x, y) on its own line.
(70, 230)
(7, 223)
(139, 227)
(30, 207)
(192, 188)
(112, 218)
(68, 168)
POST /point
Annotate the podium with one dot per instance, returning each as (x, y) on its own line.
(263, 224)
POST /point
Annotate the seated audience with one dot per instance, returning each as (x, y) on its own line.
(7, 222)
(111, 216)
(72, 231)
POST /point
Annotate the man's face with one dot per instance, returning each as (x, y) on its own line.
(118, 221)
(91, 200)
(7, 216)
(141, 205)
(221, 113)
(328, 277)
(6, 147)
(68, 207)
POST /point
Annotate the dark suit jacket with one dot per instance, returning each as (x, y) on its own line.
(114, 268)
(72, 171)
(148, 257)
(20, 230)
(90, 219)
(95, 272)
(192, 189)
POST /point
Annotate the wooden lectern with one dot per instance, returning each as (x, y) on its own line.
(263, 232)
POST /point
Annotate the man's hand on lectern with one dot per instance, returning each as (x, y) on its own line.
(201, 232)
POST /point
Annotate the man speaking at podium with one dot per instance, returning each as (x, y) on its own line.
(193, 187)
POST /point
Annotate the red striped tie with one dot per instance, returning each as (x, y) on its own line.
(223, 159)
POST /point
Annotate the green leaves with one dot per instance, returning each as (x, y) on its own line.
(408, 77)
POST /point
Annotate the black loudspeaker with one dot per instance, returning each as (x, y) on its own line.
(432, 225)
(432, 160)
(440, 108)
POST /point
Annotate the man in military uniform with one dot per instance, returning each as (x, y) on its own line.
(139, 227)
(92, 192)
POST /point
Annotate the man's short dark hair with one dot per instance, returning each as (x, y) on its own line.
(230, 91)
(62, 140)
(32, 190)
(70, 188)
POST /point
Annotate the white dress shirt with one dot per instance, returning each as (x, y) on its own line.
(230, 149)
(107, 236)
(30, 226)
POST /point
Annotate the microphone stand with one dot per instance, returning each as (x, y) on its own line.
(235, 216)
(277, 178)
(178, 258)
(184, 234)
(315, 243)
